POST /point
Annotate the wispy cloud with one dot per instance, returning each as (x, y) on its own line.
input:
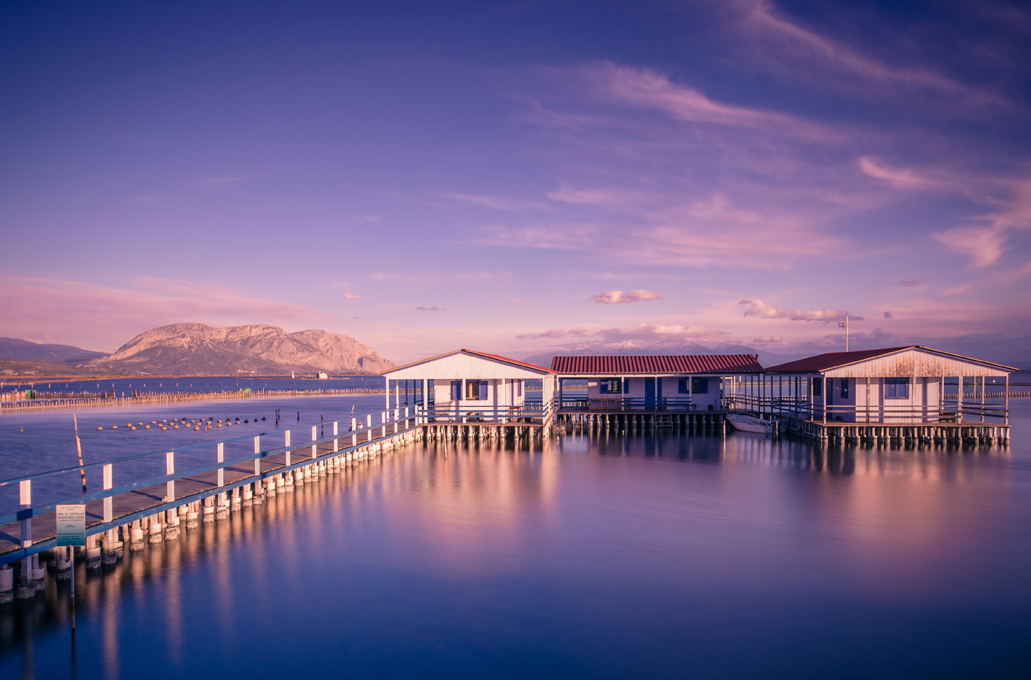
(764, 311)
(901, 178)
(647, 334)
(909, 283)
(776, 43)
(612, 297)
(430, 309)
(344, 289)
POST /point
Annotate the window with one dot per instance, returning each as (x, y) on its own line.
(681, 385)
(896, 388)
(456, 390)
(610, 385)
(476, 390)
(844, 388)
(700, 385)
(817, 387)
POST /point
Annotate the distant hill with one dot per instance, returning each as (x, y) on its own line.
(23, 350)
(259, 349)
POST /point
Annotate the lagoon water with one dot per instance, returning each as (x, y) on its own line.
(669, 555)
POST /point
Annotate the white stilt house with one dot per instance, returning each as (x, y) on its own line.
(895, 385)
(651, 383)
(473, 387)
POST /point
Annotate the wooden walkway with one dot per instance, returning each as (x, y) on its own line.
(147, 498)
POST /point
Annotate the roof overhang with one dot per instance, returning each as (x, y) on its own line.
(465, 363)
(912, 361)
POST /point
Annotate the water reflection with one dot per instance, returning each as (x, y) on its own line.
(595, 554)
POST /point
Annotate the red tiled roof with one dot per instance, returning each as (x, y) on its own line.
(653, 365)
(825, 362)
(515, 362)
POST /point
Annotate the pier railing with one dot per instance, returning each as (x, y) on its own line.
(186, 466)
(618, 403)
(799, 407)
(456, 412)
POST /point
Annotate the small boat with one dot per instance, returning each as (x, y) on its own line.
(747, 423)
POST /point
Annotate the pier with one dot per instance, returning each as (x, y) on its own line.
(159, 508)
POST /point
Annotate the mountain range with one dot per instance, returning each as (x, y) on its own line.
(196, 349)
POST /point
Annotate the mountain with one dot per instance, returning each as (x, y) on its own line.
(665, 348)
(259, 349)
(23, 350)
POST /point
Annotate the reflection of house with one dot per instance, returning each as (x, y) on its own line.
(466, 386)
(897, 385)
(650, 383)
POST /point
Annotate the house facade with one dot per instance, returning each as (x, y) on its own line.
(468, 386)
(895, 385)
(649, 383)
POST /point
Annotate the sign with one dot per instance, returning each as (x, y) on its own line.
(71, 524)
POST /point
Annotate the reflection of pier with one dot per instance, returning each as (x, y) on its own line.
(157, 509)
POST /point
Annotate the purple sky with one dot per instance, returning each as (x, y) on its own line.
(516, 177)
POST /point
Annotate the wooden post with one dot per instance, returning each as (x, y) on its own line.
(336, 431)
(287, 445)
(25, 500)
(314, 438)
(959, 400)
(257, 450)
(109, 514)
(1007, 414)
(170, 470)
(387, 393)
(220, 458)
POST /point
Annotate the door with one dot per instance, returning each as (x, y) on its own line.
(649, 393)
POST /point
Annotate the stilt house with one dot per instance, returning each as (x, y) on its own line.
(650, 383)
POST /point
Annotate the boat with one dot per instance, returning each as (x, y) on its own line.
(748, 423)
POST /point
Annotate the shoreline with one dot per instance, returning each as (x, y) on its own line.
(173, 397)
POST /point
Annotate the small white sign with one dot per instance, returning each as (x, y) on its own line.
(71, 524)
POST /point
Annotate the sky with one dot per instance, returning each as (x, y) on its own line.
(521, 177)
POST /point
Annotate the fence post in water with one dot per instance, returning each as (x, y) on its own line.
(25, 590)
(257, 464)
(220, 458)
(170, 470)
(314, 438)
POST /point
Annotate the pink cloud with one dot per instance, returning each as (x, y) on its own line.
(611, 297)
(764, 311)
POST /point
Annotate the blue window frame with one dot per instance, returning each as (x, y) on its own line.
(700, 385)
(456, 390)
(610, 386)
(844, 388)
(681, 385)
(896, 388)
(817, 387)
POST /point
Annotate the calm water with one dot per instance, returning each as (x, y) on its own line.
(669, 556)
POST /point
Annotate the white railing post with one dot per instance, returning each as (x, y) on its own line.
(368, 426)
(314, 438)
(287, 445)
(257, 450)
(220, 458)
(109, 513)
(336, 431)
(170, 470)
